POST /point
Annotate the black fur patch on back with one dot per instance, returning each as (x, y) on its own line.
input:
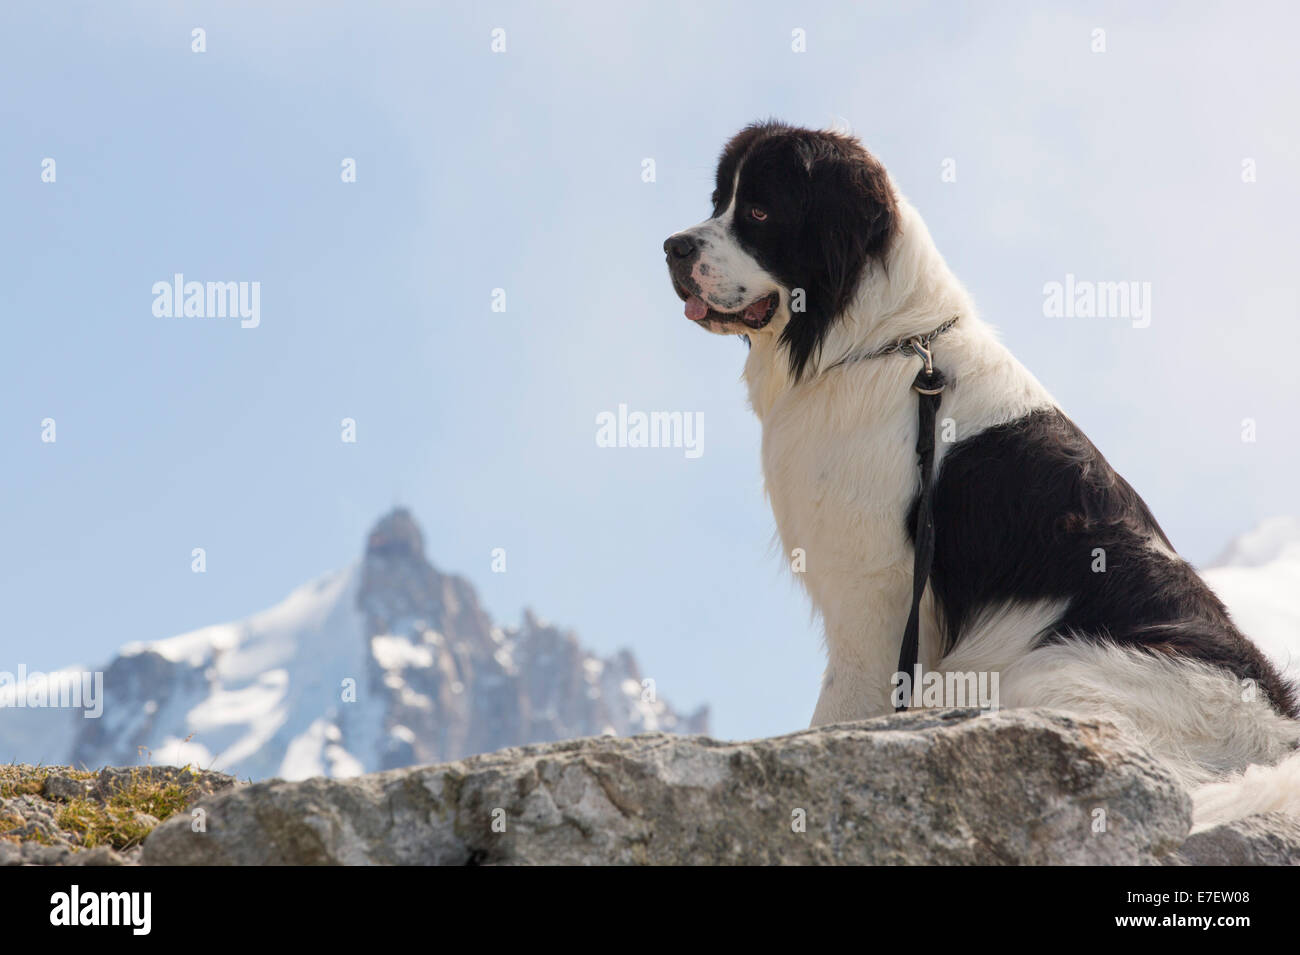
(831, 211)
(1023, 511)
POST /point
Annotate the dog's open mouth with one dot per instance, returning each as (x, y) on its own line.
(754, 315)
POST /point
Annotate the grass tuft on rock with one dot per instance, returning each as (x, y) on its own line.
(129, 815)
(115, 808)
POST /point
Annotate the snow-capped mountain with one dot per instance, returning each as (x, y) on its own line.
(387, 663)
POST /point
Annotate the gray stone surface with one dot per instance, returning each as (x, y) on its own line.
(947, 787)
(1269, 839)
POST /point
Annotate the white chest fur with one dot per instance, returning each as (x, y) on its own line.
(840, 470)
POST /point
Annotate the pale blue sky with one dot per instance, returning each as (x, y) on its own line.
(523, 171)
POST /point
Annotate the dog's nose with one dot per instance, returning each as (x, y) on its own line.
(679, 246)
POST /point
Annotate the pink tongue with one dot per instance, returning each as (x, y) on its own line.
(696, 308)
(757, 310)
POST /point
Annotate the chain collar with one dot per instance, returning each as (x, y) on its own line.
(918, 345)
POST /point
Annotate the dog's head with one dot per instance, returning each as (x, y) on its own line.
(797, 216)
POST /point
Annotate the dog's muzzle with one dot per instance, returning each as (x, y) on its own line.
(683, 252)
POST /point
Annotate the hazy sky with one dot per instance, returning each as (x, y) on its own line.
(523, 171)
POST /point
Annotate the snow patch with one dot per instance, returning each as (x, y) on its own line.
(396, 652)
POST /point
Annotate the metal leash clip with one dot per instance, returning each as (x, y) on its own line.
(933, 382)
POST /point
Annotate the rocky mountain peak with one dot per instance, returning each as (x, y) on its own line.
(401, 591)
(396, 537)
(388, 663)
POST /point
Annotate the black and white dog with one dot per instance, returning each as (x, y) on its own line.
(813, 256)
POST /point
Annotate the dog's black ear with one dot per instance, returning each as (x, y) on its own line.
(852, 214)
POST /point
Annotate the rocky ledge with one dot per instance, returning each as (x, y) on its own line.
(946, 787)
(954, 787)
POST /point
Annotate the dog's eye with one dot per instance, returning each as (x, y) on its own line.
(757, 214)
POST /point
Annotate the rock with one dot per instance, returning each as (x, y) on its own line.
(65, 788)
(1268, 839)
(927, 787)
(112, 780)
(35, 853)
(28, 817)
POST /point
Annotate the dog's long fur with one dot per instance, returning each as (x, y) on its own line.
(1023, 501)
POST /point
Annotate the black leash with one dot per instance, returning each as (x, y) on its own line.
(928, 385)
